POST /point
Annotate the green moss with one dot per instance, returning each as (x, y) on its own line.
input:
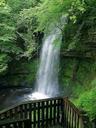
(23, 73)
(32, 69)
(66, 67)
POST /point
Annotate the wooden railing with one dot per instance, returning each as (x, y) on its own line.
(22, 123)
(72, 116)
(44, 113)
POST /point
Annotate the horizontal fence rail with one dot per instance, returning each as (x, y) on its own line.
(44, 113)
(23, 123)
(72, 116)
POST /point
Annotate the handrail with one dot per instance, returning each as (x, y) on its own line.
(21, 123)
(30, 101)
(72, 115)
(46, 111)
(73, 107)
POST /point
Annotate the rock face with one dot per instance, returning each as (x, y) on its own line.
(20, 73)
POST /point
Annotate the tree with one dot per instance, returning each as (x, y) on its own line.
(10, 38)
(7, 35)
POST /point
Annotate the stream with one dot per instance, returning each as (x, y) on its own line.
(9, 97)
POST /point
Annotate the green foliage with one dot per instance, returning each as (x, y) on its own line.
(83, 89)
(4, 59)
(28, 20)
(51, 11)
(7, 33)
(32, 67)
(93, 83)
(89, 3)
(87, 101)
(29, 44)
(9, 45)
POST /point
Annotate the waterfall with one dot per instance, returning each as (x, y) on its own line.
(47, 79)
(47, 75)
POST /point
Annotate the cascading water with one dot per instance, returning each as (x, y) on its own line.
(47, 77)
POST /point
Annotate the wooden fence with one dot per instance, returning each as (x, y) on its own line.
(72, 116)
(22, 123)
(44, 113)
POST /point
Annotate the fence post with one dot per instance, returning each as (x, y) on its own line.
(85, 120)
(62, 113)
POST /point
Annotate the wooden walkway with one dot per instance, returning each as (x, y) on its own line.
(42, 114)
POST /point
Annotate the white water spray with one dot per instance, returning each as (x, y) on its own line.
(47, 76)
